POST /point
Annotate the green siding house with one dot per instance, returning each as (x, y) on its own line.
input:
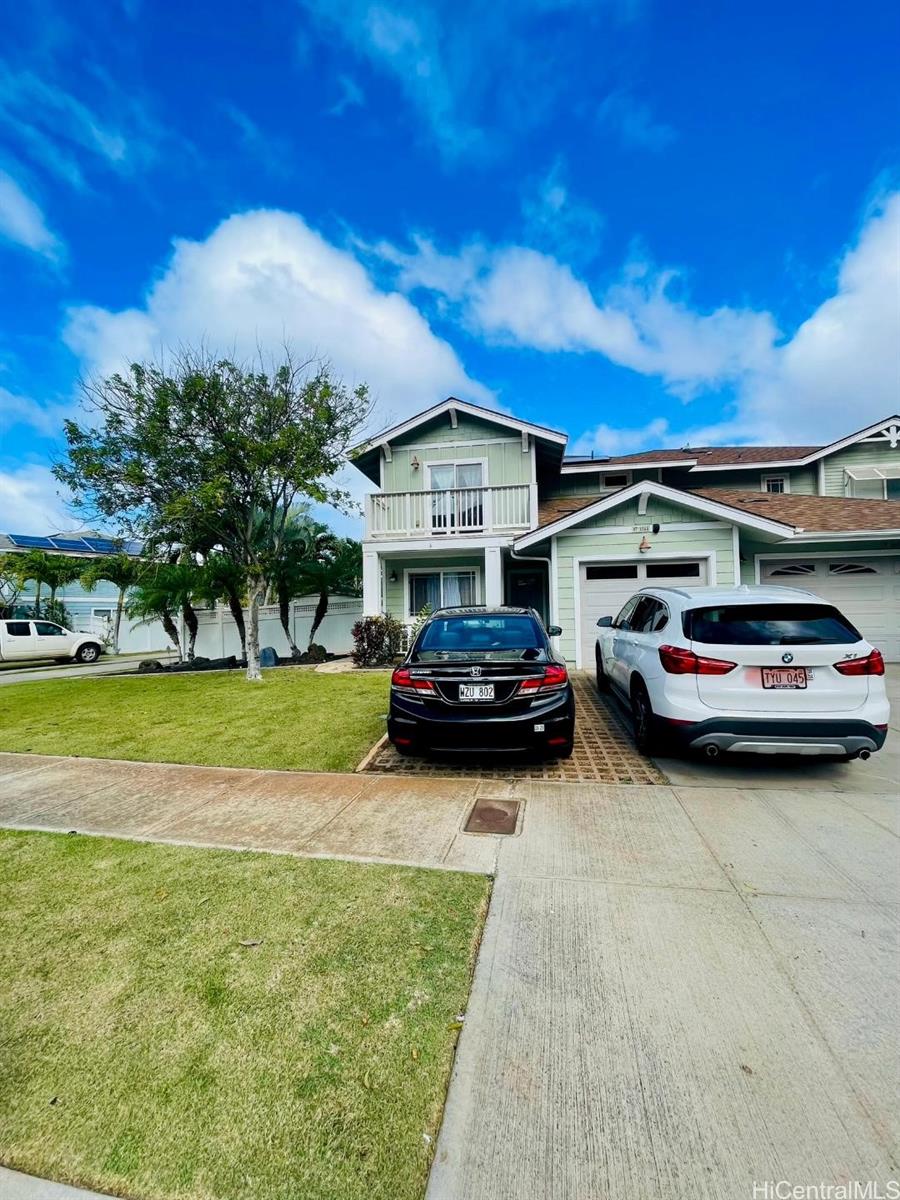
(471, 506)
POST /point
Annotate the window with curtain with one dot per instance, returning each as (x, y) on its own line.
(441, 589)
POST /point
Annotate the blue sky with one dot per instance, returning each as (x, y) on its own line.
(643, 223)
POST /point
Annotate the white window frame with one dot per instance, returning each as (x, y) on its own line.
(442, 571)
(615, 487)
(767, 478)
(884, 471)
(455, 462)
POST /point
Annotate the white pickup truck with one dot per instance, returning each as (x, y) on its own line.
(20, 639)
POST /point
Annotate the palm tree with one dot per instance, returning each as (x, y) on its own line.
(221, 577)
(152, 600)
(288, 572)
(182, 579)
(122, 571)
(335, 566)
(35, 564)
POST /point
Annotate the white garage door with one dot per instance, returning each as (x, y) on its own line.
(866, 590)
(606, 586)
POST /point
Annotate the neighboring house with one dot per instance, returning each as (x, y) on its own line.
(89, 612)
(475, 506)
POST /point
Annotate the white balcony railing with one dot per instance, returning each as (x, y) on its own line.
(449, 512)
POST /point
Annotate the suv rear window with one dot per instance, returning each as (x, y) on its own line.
(494, 634)
(769, 625)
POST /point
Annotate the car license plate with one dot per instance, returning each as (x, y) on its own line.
(476, 691)
(784, 677)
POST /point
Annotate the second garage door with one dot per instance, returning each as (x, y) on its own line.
(866, 590)
(606, 586)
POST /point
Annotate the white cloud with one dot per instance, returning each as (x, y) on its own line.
(841, 369)
(518, 296)
(29, 501)
(559, 222)
(22, 222)
(263, 279)
(44, 419)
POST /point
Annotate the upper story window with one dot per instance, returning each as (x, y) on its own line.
(776, 484)
(618, 479)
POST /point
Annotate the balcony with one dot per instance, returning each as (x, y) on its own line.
(450, 512)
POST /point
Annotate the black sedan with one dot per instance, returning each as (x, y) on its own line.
(480, 679)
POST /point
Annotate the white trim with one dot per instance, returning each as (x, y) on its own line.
(758, 558)
(415, 447)
(554, 584)
(725, 512)
(613, 467)
(460, 406)
(709, 556)
(460, 543)
(821, 474)
(736, 551)
(769, 475)
(442, 571)
(456, 462)
(834, 535)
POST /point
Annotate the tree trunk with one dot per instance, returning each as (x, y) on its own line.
(37, 597)
(117, 625)
(237, 615)
(190, 620)
(172, 630)
(52, 596)
(257, 593)
(284, 616)
(319, 615)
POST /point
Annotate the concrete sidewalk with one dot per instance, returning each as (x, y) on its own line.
(680, 992)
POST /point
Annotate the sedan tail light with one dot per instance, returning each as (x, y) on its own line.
(403, 681)
(554, 678)
(678, 660)
(872, 664)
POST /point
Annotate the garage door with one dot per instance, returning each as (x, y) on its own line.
(606, 586)
(867, 590)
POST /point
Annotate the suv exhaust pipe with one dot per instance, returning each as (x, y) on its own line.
(865, 754)
(711, 750)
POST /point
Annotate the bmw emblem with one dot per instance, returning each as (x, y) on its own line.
(787, 658)
(475, 672)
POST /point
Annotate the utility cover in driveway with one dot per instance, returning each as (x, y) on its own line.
(493, 816)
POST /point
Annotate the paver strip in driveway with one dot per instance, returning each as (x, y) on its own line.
(604, 751)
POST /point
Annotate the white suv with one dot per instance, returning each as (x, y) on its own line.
(763, 669)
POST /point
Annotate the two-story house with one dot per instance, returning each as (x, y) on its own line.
(474, 506)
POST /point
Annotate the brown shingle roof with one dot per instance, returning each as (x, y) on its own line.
(814, 514)
(708, 456)
(551, 510)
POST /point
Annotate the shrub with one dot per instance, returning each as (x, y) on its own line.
(376, 641)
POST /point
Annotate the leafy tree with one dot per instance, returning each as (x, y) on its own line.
(213, 450)
(52, 570)
(121, 570)
(10, 584)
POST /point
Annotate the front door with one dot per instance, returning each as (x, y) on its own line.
(527, 589)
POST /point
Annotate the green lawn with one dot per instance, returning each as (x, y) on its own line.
(293, 720)
(201, 1023)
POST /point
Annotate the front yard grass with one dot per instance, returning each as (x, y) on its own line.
(200, 1024)
(293, 720)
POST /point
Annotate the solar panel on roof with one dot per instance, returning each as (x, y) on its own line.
(102, 545)
(69, 543)
(27, 542)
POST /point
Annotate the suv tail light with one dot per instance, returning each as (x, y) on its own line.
(872, 664)
(403, 681)
(554, 678)
(678, 660)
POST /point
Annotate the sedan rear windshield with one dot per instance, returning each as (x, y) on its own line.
(488, 636)
(769, 625)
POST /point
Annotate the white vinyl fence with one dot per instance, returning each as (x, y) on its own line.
(218, 637)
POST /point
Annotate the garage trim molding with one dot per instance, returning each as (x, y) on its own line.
(758, 559)
(707, 556)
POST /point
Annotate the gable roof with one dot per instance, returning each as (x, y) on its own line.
(365, 455)
(558, 516)
(812, 514)
(713, 458)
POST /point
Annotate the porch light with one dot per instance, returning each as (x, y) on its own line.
(414, 463)
(393, 576)
(644, 546)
